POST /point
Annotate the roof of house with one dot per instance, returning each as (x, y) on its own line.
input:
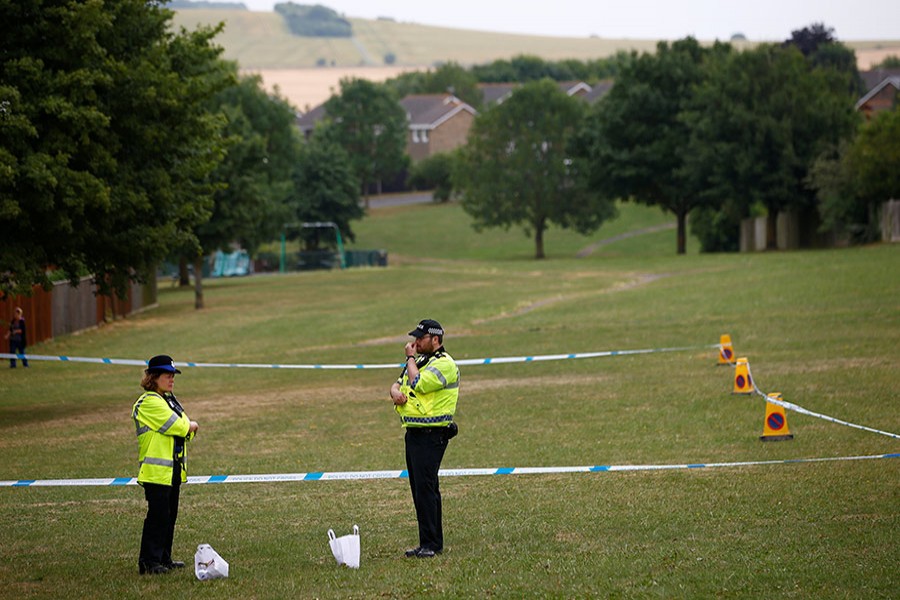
(307, 122)
(876, 76)
(430, 110)
(894, 81)
(496, 93)
(598, 90)
(573, 88)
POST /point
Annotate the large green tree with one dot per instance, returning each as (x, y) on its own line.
(256, 174)
(326, 190)
(757, 123)
(106, 144)
(822, 49)
(254, 188)
(517, 168)
(852, 183)
(635, 138)
(367, 121)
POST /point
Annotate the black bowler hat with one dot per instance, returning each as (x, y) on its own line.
(162, 363)
(426, 327)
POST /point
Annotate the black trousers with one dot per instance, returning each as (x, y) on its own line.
(159, 524)
(17, 348)
(425, 448)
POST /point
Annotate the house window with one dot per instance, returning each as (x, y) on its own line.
(415, 136)
(424, 135)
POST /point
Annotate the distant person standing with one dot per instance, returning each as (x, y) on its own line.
(425, 397)
(17, 338)
(163, 430)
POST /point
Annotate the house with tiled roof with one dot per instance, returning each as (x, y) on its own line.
(495, 93)
(307, 121)
(441, 122)
(598, 90)
(883, 96)
(873, 77)
(437, 123)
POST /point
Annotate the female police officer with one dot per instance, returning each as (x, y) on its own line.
(425, 397)
(162, 431)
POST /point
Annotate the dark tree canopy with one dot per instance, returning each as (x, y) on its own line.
(517, 168)
(106, 143)
(367, 121)
(255, 178)
(326, 189)
(524, 68)
(757, 124)
(314, 20)
(853, 182)
(635, 138)
(822, 49)
(809, 39)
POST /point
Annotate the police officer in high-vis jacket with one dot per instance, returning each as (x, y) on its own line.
(425, 397)
(163, 430)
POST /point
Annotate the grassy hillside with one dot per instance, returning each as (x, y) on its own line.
(260, 40)
(389, 229)
(819, 327)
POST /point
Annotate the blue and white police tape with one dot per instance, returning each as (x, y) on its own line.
(357, 475)
(799, 409)
(463, 362)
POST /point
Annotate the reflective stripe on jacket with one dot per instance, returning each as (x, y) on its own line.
(432, 403)
(158, 422)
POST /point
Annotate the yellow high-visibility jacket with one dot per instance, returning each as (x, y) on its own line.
(432, 402)
(161, 426)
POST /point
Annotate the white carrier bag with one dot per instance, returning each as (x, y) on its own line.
(208, 564)
(345, 548)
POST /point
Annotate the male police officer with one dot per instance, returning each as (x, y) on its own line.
(425, 397)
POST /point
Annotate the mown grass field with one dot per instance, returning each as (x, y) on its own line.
(821, 327)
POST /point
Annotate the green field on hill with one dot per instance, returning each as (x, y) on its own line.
(821, 327)
(261, 40)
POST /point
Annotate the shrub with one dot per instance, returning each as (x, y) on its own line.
(434, 173)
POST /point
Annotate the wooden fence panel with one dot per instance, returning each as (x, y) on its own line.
(67, 309)
(74, 308)
(37, 310)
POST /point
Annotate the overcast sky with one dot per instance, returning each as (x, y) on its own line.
(759, 20)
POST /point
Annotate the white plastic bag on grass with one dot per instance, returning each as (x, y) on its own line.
(346, 548)
(208, 564)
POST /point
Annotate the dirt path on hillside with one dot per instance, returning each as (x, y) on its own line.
(588, 250)
(642, 279)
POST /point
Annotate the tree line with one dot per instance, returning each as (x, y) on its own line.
(123, 143)
(709, 133)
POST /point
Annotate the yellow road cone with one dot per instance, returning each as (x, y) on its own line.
(742, 382)
(726, 352)
(775, 428)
